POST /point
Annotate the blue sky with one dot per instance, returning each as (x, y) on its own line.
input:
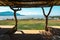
(33, 11)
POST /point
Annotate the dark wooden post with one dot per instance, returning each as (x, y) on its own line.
(15, 10)
(46, 16)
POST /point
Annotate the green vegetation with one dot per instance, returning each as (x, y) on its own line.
(30, 24)
(54, 17)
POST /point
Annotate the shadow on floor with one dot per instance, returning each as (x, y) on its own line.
(5, 34)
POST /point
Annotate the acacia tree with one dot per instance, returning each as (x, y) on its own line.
(15, 10)
(46, 17)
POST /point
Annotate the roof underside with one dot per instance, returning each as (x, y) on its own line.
(29, 3)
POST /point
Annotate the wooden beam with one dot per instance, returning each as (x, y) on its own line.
(29, 3)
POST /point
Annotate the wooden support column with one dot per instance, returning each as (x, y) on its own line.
(15, 10)
(46, 17)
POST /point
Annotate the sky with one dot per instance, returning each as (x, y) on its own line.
(33, 11)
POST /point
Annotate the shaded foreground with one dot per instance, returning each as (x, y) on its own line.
(53, 34)
(27, 35)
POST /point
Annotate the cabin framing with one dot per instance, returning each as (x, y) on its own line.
(28, 4)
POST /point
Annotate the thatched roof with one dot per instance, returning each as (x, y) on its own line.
(29, 3)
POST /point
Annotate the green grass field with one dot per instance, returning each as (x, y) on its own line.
(30, 24)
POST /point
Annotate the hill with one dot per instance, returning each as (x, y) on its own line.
(8, 13)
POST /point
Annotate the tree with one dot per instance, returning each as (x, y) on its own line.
(46, 16)
(15, 10)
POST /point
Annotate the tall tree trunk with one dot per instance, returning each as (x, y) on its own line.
(15, 19)
(46, 26)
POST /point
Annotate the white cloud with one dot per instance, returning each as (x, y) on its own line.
(32, 11)
(3, 8)
(24, 11)
(28, 13)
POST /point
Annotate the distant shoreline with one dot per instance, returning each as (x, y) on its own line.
(27, 17)
(21, 17)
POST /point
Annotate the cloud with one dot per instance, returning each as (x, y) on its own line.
(28, 13)
(32, 11)
(4, 8)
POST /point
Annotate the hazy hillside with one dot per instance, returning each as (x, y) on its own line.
(8, 13)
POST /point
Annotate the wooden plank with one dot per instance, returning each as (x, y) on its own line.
(31, 0)
(6, 29)
(29, 3)
(57, 27)
(7, 26)
(55, 30)
(32, 32)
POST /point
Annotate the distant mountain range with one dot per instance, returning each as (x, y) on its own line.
(8, 13)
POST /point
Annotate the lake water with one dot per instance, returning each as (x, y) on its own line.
(21, 17)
